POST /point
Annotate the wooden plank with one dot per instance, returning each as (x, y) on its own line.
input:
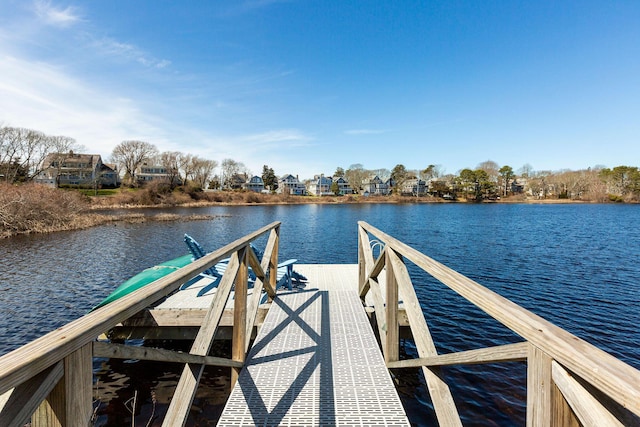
(78, 374)
(187, 386)
(20, 365)
(538, 388)
(21, 402)
(441, 396)
(503, 353)
(190, 316)
(605, 372)
(392, 342)
(239, 341)
(587, 408)
(51, 413)
(121, 351)
(365, 262)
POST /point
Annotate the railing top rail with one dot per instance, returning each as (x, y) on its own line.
(32, 358)
(616, 378)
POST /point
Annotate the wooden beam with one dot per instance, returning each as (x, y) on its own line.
(121, 351)
(239, 341)
(188, 384)
(538, 388)
(365, 261)
(441, 396)
(614, 377)
(20, 365)
(162, 318)
(503, 353)
(587, 408)
(21, 402)
(392, 341)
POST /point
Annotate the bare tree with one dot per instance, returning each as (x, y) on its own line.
(355, 175)
(22, 151)
(171, 161)
(61, 148)
(491, 168)
(230, 168)
(129, 155)
(202, 170)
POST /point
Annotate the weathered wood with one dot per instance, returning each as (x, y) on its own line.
(121, 351)
(188, 384)
(538, 388)
(503, 353)
(586, 407)
(20, 403)
(392, 342)
(441, 396)
(612, 376)
(20, 365)
(365, 262)
(70, 402)
(189, 316)
(78, 374)
(238, 344)
(51, 412)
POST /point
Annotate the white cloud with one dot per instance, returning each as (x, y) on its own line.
(56, 17)
(42, 97)
(110, 47)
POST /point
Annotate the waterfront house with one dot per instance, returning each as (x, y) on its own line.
(255, 184)
(320, 186)
(150, 172)
(290, 184)
(374, 185)
(414, 187)
(343, 186)
(83, 170)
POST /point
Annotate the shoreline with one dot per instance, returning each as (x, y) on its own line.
(93, 217)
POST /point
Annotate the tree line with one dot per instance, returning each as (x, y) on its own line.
(23, 151)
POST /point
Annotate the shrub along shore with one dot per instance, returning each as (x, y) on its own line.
(32, 208)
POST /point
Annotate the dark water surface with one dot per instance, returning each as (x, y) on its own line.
(576, 265)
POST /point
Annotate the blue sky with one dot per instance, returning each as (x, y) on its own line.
(307, 86)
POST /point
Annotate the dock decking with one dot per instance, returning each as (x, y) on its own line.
(316, 361)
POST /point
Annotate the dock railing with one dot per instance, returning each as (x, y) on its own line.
(50, 380)
(569, 381)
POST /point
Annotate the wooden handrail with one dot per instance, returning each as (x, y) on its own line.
(619, 381)
(72, 343)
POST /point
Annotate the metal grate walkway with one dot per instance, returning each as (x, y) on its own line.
(316, 362)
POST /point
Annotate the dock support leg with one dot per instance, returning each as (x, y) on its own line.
(70, 401)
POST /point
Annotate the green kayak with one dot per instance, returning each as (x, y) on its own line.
(145, 277)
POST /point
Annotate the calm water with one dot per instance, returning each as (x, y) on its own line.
(576, 265)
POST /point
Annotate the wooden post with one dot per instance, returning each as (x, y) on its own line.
(392, 347)
(538, 388)
(70, 401)
(240, 314)
(273, 261)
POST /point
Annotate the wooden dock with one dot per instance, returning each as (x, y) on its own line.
(316, 361)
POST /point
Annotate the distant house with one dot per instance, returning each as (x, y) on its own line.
(255, 184)
(517, 186)
(83, 170)
(150, 172)
(343, 186)
(290, 184)
(320, 186)
(237, 181)
(374, 185)
(414, 187)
